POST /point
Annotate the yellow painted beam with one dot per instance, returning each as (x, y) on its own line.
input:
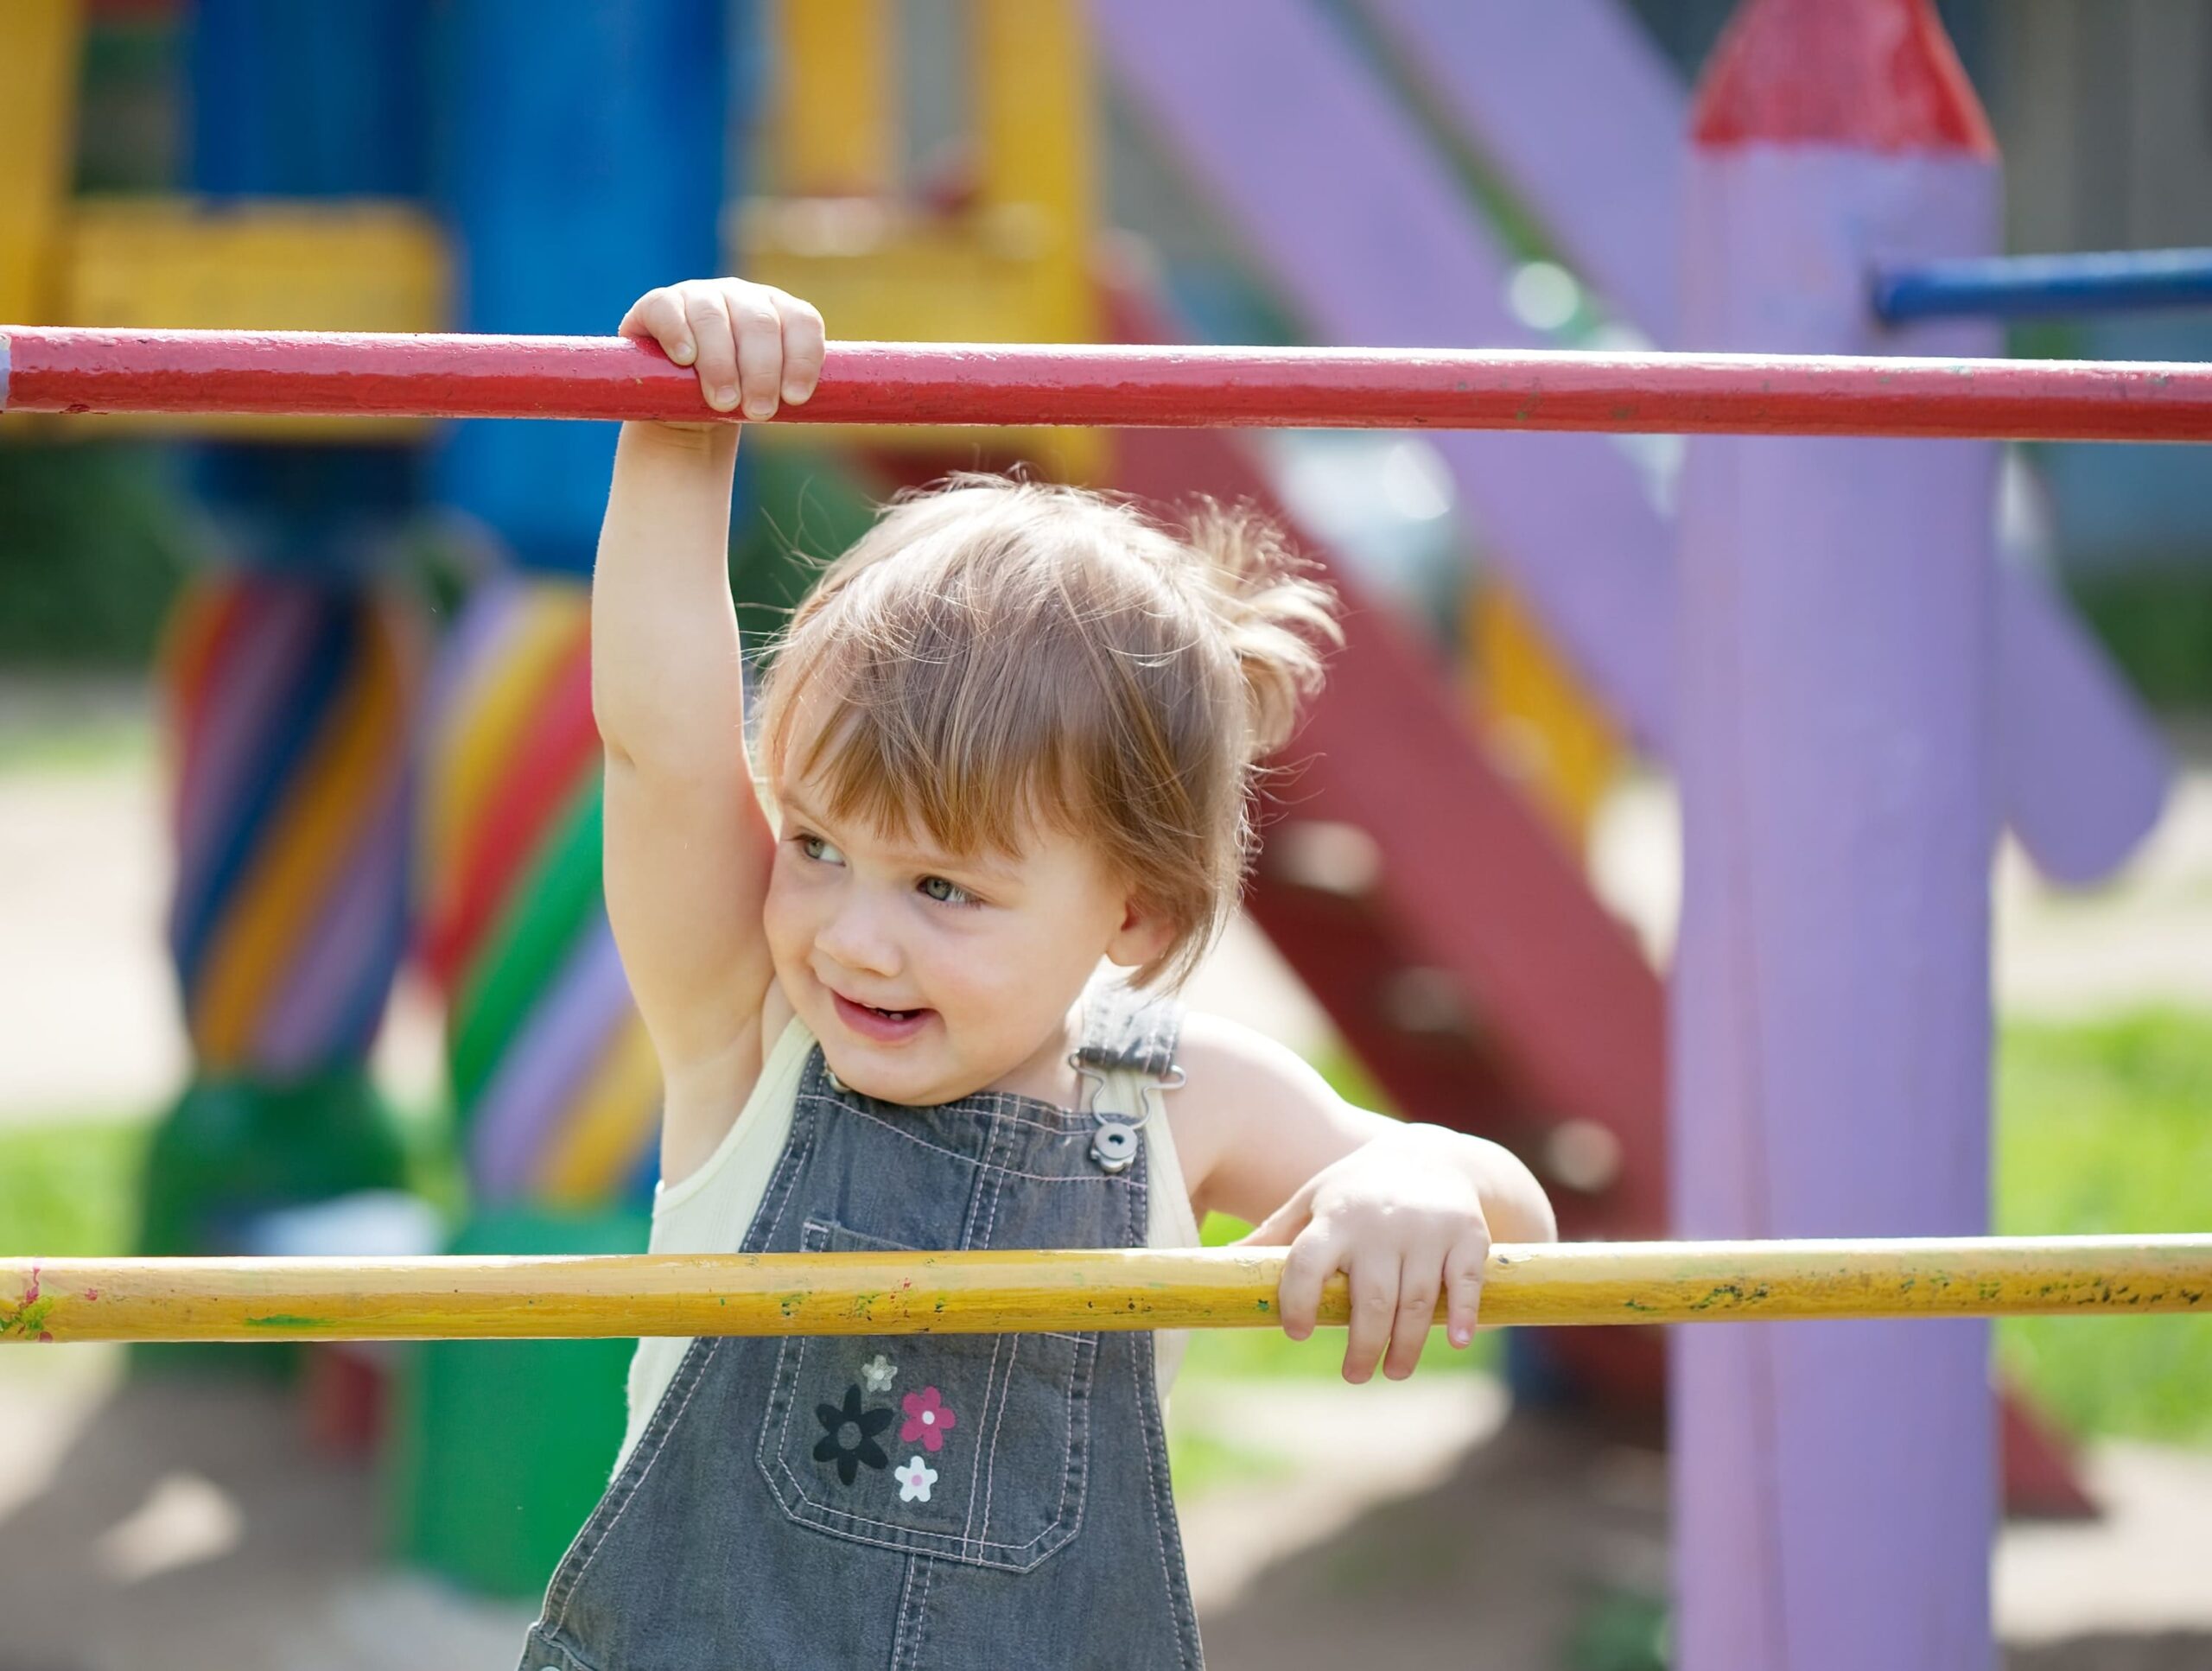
(1035, 142)
(453, 1297)
(835, 112)
(41, 48)
(178, 264)
(882, 273)
(1016, 267)
(1543, 726)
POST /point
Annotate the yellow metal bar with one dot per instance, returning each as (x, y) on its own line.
(41, 44)
(837, 99)
(79, 1299)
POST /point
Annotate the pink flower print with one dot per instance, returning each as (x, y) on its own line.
(927, 1419)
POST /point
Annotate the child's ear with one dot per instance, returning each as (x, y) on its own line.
(1146, 931)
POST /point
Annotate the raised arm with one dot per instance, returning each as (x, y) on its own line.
(688, 848)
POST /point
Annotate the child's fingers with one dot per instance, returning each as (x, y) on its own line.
(803, 338)
(759, 329)
(1421, 1280)
(753, 344)
(1312, 1261)
(1465, 1268)
(659, 314)
(708, 317)
(633, 322)
(1376, 1280)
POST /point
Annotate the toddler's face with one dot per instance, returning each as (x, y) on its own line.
(980, 960)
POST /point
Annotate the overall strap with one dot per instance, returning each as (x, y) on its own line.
(1125, 1028)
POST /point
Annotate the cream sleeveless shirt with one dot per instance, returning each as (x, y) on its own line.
(711, 1209)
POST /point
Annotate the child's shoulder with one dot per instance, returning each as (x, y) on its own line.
(1240, 1082)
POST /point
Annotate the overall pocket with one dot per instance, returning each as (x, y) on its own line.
(969, 1447)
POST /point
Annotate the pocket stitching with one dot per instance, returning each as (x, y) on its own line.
(546, 1639)
(788, 1485)
(965, 1160)
(991, 1453)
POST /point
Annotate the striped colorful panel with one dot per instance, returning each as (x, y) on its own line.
(555, 1090)
(291, 708)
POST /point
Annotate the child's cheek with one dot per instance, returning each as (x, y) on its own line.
(782, 919)
(983, 978)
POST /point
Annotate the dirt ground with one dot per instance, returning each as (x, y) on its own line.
(191, 1527)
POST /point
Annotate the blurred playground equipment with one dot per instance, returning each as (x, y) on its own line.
(398, 167)
(2026, 287)
(1814, 635)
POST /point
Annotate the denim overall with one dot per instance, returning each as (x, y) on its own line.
(958, 1501)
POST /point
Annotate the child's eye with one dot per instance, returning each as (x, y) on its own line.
(827, 853)
(954, 894)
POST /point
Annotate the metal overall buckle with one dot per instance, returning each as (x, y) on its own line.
(1113, 1144)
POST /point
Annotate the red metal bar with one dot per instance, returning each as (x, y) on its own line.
(316, 374)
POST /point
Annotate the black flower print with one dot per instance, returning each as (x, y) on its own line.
(862, 1424)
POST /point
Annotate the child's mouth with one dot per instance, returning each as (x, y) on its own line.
(882, 1023)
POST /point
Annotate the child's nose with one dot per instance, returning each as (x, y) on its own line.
(856, 939)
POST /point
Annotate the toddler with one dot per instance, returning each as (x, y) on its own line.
(1009, 738)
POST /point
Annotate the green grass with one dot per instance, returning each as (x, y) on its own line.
(1200, 1462)
(2106, 1129)
(70, 1192)
(83, 743)
(2156, 619)
(93, 549)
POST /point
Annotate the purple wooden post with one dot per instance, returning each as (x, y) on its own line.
(1834, 1483)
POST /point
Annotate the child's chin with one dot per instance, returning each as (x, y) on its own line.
(870, 1079)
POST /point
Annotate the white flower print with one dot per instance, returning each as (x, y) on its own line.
(876, 1374)
(915, 1480)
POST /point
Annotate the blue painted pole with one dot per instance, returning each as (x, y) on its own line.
(585, 163)
(2019, 287)
(584, 159)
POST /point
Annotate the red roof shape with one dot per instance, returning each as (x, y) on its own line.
(1878, 75)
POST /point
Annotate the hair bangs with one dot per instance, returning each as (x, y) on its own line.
(972, 745)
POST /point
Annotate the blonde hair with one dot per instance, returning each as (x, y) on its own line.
(994, 650)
